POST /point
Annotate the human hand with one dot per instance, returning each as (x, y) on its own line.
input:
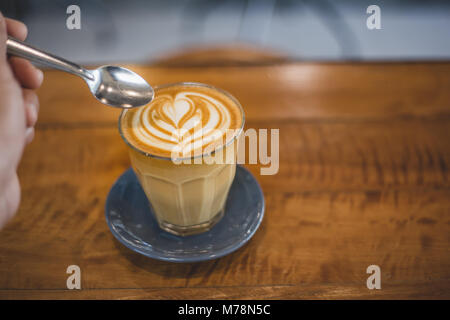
(19, 108)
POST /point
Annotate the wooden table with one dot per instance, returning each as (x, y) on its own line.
(364, 179)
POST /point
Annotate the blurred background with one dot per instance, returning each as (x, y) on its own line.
(136, 31)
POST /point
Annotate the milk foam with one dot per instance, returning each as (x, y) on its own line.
(187, 117)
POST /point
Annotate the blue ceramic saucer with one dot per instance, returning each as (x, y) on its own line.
(131, 220)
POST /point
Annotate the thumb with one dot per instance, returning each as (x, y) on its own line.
(5, 70)
(3, 37)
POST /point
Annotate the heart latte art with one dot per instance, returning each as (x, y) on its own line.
(187, 118)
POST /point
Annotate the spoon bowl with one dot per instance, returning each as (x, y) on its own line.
(119, 87)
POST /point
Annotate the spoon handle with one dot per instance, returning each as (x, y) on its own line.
(23, 50)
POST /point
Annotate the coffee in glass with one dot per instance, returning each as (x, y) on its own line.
(183, 148)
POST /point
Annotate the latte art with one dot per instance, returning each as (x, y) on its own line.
(186, 118)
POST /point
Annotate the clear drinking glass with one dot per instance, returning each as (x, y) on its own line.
(186, 198)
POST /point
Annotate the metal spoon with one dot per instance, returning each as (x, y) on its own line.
(111, 85)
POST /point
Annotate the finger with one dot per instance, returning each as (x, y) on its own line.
(29, 135)
(3, 37)
(16, 29)
(31, 103)
(6, 75)
(28, 75)
(31, 114)
(10, 198)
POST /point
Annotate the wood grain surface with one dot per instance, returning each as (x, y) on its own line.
(363, 179)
